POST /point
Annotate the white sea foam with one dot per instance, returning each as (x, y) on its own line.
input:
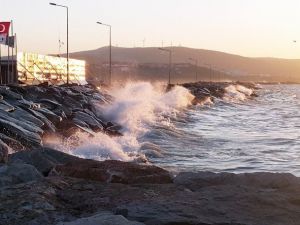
(135, 108)
(236, 93)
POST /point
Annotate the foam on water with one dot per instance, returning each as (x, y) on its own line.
(136, 107)
(236, 93)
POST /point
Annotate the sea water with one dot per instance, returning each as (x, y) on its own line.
(237, 134)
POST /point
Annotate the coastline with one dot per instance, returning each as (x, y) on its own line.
(39, 185)
(44, 186)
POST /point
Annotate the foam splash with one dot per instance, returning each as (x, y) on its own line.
(237, 93)
(136, 107)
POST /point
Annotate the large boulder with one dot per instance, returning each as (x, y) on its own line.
(17, 173)
(103, 218)
(112, 171)
(43, 159)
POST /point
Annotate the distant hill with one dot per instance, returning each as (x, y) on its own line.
(235, 66)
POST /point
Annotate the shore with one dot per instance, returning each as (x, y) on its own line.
(39, 185)
(44, 186)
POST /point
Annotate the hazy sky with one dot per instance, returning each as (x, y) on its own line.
(246, 27)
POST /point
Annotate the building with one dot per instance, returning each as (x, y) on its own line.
(32, 69)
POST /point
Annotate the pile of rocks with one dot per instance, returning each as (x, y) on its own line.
(204, 90)
(48, 187)
(27, 113)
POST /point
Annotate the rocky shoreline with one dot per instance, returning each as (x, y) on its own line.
(39, 185)
(44, 186)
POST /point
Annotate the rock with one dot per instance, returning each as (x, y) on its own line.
(12, 143)
(26, 137)
(103, 218)
(47, 123)
(113, 171)
(4, 150)
(25, 125)
(25, 116)
(89, 120)
(7, 93)
(17, 173)
(264, 180)
(50, 115)
(5, 106)
(43, 159)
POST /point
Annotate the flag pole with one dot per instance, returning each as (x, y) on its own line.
(0, 66)
(16, 47)
(8, 62)
(12, 53)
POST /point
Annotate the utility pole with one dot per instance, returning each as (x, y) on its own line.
(170, 62)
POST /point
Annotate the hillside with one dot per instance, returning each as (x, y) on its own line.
(245, 68)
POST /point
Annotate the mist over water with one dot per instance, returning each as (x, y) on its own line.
(234, 134)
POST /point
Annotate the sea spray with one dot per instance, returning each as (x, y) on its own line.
(136, 107)
(237, 93)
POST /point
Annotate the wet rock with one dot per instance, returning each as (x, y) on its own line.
(47, 123)
(25, 137)
(50, 115)
(103, 218)
(12, 143)
(6, 106)
(4, 150)
(50, 104)
(25, 116)
(112, 171)
(25, 125)
(43, 159)
(89, 120)
(17, 173)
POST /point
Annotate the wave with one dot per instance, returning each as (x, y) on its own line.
(237, 93)
(136, 107)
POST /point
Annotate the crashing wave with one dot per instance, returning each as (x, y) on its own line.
(237, 93)
(136, 107)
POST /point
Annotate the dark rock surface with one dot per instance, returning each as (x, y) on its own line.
(4, 149)
(112, 171)
(212, 90)
(28, 113)
(43, 159)
(16, 173)
(79, 191)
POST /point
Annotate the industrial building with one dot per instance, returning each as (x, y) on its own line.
(32, 69)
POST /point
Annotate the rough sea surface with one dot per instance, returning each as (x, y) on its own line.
(257, 134)
(235, 134)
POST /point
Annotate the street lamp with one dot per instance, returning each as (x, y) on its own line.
(210, 71)
(196, 67)
(54, 4)
(110, 70)
(170, 61)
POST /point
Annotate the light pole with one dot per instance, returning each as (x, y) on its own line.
(210, 71)
(170, 61)
(196, 67)
(110, 70)
(66, 7)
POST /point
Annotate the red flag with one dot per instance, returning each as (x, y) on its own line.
(4, 27)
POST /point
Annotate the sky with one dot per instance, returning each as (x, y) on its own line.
(253, 28)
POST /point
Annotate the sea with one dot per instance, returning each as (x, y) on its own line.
(238, 133)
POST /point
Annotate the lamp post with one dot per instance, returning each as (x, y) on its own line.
(170, 62)
(210, 71)
(66, 7)
(110, 66)
(196, 67)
